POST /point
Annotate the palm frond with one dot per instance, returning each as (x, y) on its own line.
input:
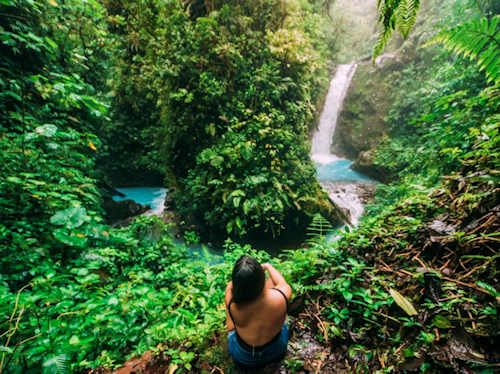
(406, 16)
(478, 40)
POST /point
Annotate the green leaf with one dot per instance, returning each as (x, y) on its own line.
(489, 288)
(52, 43)
(217, 161)
(47, 130)
(403, 302)
(69, 238)
(442, 322)
(477, 40)
(5, 349)
(70, 218)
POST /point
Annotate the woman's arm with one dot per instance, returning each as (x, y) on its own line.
(227, 299)
(278, 281)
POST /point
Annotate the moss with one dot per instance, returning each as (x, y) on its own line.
(361, 123)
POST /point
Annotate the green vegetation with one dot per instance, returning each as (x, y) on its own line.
(218, 97)
(229, 99)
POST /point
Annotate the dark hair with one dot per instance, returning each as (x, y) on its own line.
(248, 279)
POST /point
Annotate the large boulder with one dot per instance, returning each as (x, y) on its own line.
(361, 124)
(365, 163)
(120, 210)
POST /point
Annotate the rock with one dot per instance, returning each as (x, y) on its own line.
(350, 197)
(365, 164)
(120, 210)
(441, 227)
(361, 124)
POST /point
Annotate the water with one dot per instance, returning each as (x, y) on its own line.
(322, 138)
(153, 196)
(334, 173)
(339, 170)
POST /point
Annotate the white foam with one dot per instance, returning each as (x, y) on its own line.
(324, 159)
(346, 197)
(322, 138)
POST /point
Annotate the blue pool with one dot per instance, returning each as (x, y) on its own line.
(154, 196)
(338, 170)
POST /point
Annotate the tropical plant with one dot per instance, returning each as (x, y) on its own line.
(399, 15)
(478, 40)
(228, 99)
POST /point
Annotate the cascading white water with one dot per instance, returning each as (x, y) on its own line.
(341, 183)
(322, 138)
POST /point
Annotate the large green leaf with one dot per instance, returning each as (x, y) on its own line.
(69, 238)
(71, 217)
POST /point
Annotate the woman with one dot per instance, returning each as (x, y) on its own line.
(256, 313)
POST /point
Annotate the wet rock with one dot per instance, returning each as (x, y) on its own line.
(365, 164)
(350, 196)
(361, 125)
(441, 227)
(120, 210)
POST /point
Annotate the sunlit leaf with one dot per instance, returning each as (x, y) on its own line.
(403, 302)
(71, 217)
(47, 130)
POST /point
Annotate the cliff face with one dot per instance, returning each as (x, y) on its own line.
(361, 123)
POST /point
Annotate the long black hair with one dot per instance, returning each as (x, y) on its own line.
(248, 279)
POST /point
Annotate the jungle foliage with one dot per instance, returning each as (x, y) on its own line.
(229, 99)
(65, 79)
(416, 280)
(447, 99)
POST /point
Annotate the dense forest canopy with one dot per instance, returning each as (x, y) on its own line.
(216, 100)
(226, 103)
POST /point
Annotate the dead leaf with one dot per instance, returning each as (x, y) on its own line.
(403, 302)
(172, 368)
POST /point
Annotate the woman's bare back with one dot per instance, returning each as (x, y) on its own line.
(258, 322)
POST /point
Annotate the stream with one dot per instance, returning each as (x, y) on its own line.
(346, 187)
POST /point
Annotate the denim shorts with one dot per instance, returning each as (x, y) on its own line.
(260, 357)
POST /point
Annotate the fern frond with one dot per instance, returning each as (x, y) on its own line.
(56, 364)
(407, 16)
(477, 40)
(398, 15)
(318, 229)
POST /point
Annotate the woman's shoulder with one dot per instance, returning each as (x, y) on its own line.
(276, 299)
(229, 293)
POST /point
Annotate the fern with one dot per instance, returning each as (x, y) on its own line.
(478, 40)
(56, 364)
(398, 15)
(318, 229)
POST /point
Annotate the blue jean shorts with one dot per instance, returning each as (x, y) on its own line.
(250, 358)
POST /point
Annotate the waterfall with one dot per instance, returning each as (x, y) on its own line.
(322, 138)
(343, 185)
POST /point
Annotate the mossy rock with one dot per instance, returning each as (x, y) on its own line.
(361, 124)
